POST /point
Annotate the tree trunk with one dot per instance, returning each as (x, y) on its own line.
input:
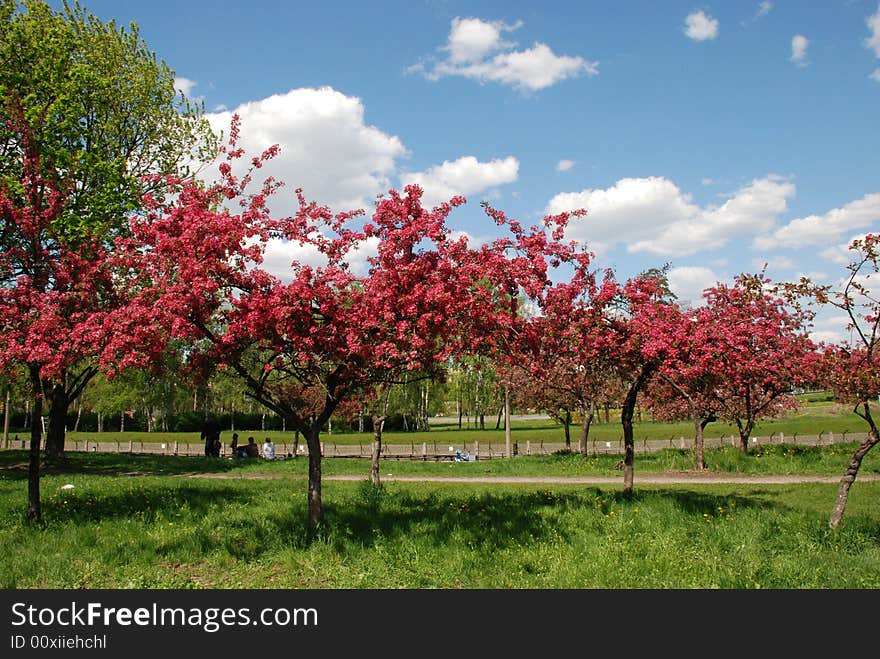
(35, 511)
(58, 404)
(378, 424)
(508, 444)
(626, 420)
(698, 442)
(6, 419)
(79, 411)
(316, 505)
(849, 476)
(586, 422)
(566, 422)
(744, 432)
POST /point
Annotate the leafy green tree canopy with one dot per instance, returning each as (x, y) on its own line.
(102, 109)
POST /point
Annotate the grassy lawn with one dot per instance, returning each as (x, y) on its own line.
(131, 522)
(768, 459)
(811, 419)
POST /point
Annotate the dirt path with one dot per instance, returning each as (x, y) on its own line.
(679, 477)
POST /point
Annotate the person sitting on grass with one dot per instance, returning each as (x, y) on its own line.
(245, 450)
(268, 449)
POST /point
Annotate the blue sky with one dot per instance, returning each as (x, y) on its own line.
(713, 136)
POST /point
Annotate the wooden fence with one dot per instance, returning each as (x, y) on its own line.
(434, 450)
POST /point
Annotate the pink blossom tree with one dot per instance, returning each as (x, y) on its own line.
(750, 352)
(851, 369)
(327, 334)
(641, 328)
(58, 298)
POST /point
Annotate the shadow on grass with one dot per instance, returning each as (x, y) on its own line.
(489, 521)
(698, 504)
(143, 503)
(14, 465)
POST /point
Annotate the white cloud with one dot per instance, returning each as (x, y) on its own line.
(688, 283)
(830, 329)
(776, 263)
(700, 27)
(325, 146)
(841, 254)
(764, 8)
(707, 181)
(465, 176)
(564, 165)
(184, 86)
(799, 44)
(358, 259)
(476, 51)
(279, 255)
(821, 230)
(875, 75)
(873, 41)
(472, 39)
(653, 215)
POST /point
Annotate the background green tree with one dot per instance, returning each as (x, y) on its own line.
(94, 109)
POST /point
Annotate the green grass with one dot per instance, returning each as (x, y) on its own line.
(809, 420)
(131, 522)
(153, 532)
(827, 460)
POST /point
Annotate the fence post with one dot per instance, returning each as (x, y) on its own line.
(322, 449)
(477, 449)
(175, 447)
(528, 447)
(831, 435)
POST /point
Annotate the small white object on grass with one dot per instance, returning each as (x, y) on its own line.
(69, 486)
